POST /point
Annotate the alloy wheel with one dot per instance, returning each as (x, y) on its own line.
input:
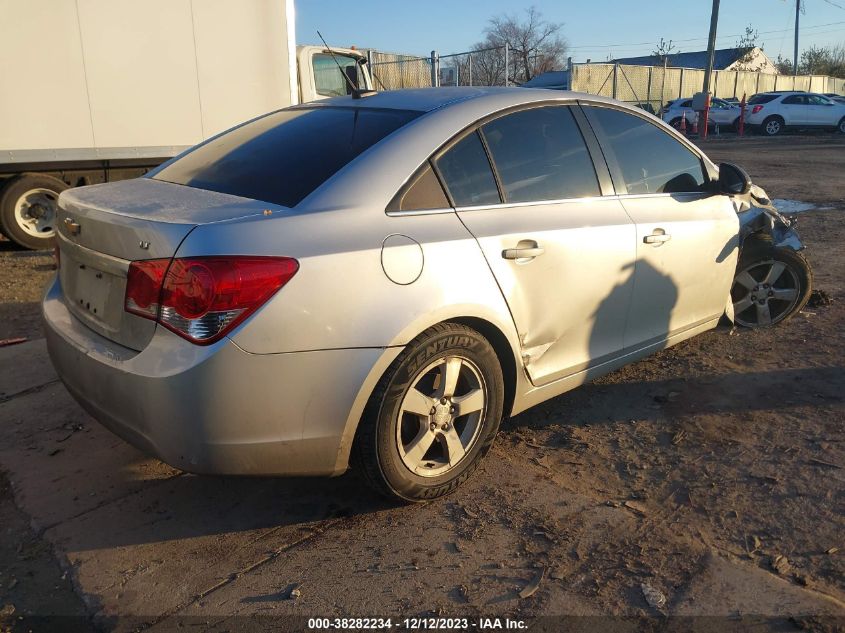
(764, 293)
(441, 416)
(773, 127)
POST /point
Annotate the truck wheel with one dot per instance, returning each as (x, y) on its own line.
(772, 126)
(28, 209)
(771, 285)
(433, 415)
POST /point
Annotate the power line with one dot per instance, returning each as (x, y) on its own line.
(833, 4)
(701, 39)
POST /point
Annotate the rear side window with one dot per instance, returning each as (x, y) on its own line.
(540, 155)
(761, 99)
(467, 174)
(795, 100)
(423, 192)
(284, 156)
(650, 160)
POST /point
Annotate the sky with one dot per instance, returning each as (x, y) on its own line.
(595, 30)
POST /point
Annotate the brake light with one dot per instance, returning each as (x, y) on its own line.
(203, 298)
(756, 109)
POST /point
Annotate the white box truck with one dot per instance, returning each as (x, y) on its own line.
(100, 90)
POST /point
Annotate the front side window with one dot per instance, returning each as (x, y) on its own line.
(467, 174)
(282, 157)
(540, 154)
(331, 81)
(650, 160)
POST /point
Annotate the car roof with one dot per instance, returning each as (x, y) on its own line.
(430, 99)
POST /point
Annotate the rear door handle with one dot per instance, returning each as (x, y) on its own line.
(526, 249)
(657, 238)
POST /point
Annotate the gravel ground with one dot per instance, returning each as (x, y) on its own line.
(711, 473)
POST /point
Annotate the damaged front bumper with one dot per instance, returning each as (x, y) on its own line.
(758, 216)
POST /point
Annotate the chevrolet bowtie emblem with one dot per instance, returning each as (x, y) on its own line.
(72, 227)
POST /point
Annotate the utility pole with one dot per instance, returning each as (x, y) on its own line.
(795, 53)
(711, 45)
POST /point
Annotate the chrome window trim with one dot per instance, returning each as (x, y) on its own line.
(537, 203)
(400, 213)
(620, 197)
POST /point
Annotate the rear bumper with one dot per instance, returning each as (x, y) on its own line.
(217, 409)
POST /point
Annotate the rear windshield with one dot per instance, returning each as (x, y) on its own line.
(284, 156)
(761, 99)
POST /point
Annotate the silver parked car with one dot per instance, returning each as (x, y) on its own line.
(384, 278)
(722, 113)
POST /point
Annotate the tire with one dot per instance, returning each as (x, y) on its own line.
(735, 124)
(771, 285)
(390, 431)
(772, 126)
(28, 206)
(676, 123)
(841, 125)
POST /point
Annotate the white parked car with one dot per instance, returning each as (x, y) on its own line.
(722, 113)
(772, 112)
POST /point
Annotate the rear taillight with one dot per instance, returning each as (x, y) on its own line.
(756, 109)
(202, 298)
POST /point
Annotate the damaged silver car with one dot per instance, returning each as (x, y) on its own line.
(381, 280)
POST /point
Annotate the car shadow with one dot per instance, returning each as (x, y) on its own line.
(189, 506)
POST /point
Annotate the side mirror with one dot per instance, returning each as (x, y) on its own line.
(733, 180)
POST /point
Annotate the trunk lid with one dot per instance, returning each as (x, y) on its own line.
(102, 228)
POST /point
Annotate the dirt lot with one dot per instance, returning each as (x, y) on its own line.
(713, 472)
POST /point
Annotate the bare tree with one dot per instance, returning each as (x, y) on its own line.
(746, 45)
(663, 51)
(536, 46)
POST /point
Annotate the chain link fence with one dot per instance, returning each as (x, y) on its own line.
(484, 67)
(650, 87)
(392, 71)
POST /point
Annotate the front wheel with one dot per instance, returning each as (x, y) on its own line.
(841, 126)
(433, 415)
(771, 285)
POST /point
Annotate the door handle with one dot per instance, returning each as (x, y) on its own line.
(657, 238)
(524, 250)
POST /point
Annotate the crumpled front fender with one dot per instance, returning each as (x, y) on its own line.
(758, 216)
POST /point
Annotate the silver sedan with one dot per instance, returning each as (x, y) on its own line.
(381, 280)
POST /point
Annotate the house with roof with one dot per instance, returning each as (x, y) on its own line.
(723, 59)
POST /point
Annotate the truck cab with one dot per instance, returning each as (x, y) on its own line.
(324, 73)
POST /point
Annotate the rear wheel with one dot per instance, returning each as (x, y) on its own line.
(28, 209)
(676, 123)
(772, 126)
(433, 416)
(771, 285)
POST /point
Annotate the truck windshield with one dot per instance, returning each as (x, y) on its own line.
(282, 157)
